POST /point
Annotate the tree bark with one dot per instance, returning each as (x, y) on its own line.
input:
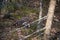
(49, 19)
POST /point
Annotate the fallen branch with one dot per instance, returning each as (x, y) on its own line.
(29, 23)
(34, 33)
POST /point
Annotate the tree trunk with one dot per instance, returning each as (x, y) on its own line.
(40, 15)
(49, 19)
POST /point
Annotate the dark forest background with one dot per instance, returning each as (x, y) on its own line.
(13, 10)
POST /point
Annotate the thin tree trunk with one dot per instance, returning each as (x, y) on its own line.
(49, 19)
(40, 15)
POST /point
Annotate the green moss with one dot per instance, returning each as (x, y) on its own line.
(28, 10)
(18, 17)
